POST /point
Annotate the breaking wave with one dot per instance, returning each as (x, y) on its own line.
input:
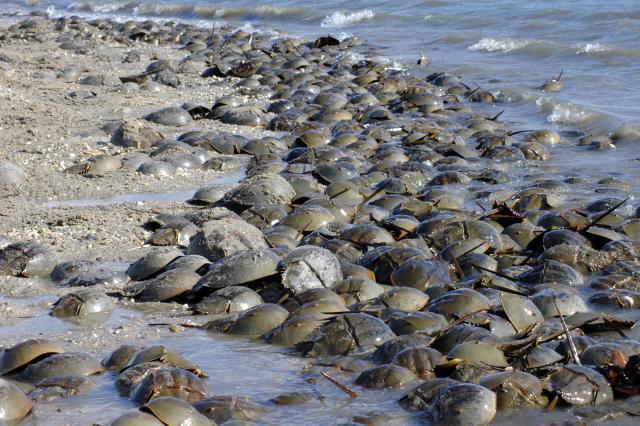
(489, 44)
(345, 19)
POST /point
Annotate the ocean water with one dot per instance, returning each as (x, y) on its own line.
(510, 47)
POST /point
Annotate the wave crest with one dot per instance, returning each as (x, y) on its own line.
(564, 112)
(343, 19)
(592, 48)
(489, 44)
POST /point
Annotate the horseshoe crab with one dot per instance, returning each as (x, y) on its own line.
(346, 335)
(191, 262)
(241, 115)
(541, 356)
(461, 230)
(385, 353)
(404, 298)
(165, 287)
(578, 385)
(119, 357)
(61, 364)
(175, 412)
(174, 234)
(309, 267)
(175, 382)
(134, 133)
(254, 321)
(515, 389)
(26, 259)
(614, 281)
(428, 323)
(83, 303)
(464, 404)
(464, 247)
(385, 377)
(230, 408)
(27, 352)
(14, 404)
(421, 360)
(136, 418)
(481, 352)
(293, 330)
(171, 116)
(421, 274)
(260, 189)
(552, 271)
(264, 216)
(568, 301)
(601, 354)
(61, 387)
(228, 300)
(95, 166)
(451, 337)
(357, 289)
(625, 299)
(582, 259)
(164, 355)
(308, 217)
(521, 311)
(319, 309)
(459, 302)
(84, 273)
(367, 235)
(421, 397)
(339, 171)
(240, 268)
(128, 378)
(223, 237)
(323, 295)
(152, 263)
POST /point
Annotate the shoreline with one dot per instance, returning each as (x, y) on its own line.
(530, 106)
(403, 134)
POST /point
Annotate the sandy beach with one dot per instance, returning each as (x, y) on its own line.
(46, 129)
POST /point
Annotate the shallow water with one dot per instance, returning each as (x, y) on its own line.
(236, 366)
(142, 197)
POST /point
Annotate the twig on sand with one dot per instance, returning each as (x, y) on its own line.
(602, 216)
(339, 385)
(552, 404)
(572, 346)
